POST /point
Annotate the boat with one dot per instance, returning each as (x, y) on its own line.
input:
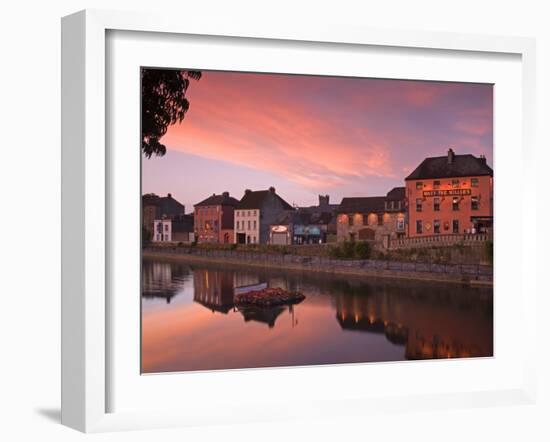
(268, 297)
(250, 288)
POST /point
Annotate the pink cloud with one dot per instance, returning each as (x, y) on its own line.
(321, 132)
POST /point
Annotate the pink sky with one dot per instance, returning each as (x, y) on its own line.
(310, 135)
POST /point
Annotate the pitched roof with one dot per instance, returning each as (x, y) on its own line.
(304, 217)
(369, 204)
(441, 167)
(255, 199)
(396, 194)
(219, 200)
(167, 205)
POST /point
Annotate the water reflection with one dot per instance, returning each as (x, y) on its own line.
(341, 320)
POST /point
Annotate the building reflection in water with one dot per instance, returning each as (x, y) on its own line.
(341, 320)
(444, 324)
(162, 280)
(215, 290)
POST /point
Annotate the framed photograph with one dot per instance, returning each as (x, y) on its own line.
(270, 222)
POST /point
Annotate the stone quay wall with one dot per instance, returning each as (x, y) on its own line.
(456, 273)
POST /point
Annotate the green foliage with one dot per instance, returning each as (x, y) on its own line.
(363, 250)
(163, 103)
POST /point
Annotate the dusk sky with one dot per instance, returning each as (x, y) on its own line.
(310, 135)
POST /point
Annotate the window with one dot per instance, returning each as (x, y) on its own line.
(365, 220)
(474, 182)
(455, 184)
(238, 225)
(166, 227)
(419, 185)
(475, 203)
(253, 240)
(456, 226)
(419, 204)
(456, 203)
(249, 225)
(436, 185)
(254, 213)
(400, 225)
(249, 213)
(380, 219)
(350, 219)
(254, 227)
(248, 238)
(437, 204)
(437, 225)
(419, 226)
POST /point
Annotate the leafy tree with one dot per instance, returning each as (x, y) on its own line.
(163, 103)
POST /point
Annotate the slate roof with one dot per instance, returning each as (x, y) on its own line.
(396, 194)
(254, 200)
(164, 205)
(302, 217)
(461, 165)
(219, 200)
(369, 204)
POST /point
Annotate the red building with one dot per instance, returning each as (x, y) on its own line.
(451, 194)
(214, 219)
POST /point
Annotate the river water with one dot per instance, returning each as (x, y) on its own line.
(189, 321)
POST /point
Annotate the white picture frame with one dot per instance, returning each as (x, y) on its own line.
(86, 356)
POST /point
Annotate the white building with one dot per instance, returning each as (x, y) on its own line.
(162, 230)
(255, 213)
(247, 226)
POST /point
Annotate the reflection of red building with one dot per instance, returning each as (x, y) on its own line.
(214, 219)
(429, 327)
(213, 289)
(452, 194)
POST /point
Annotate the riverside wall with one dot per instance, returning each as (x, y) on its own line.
(475, 274)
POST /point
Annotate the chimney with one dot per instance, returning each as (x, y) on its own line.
(483, 159)
(323, 200)
(225, 194)
(272, 189)
(450, 156)
(247, 191)
(169, 195)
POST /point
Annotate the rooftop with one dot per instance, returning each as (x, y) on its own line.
(167, 205)
(254, 199)
(219, 200)
(396, 194)
(450, 166)
(368, 204)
